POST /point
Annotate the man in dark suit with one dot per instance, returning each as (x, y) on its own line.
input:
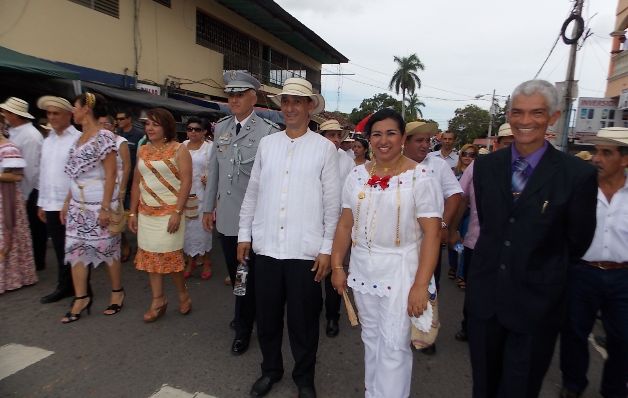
(536, 208)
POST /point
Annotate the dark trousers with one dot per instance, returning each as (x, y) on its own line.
(332, 301)
(244, 305)
(438, 267)
(590, 290)
(291, 283)
(56, 232)
(467, 255)
(506, 363)
(38, 230)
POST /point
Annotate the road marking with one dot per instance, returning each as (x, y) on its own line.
(170, 392)
(15, 357)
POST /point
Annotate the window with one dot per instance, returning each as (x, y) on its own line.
(611, 114)
(583, 113)
(591, 113)
(610, 123)
(109, 7)
(604, 113)
(602, 124)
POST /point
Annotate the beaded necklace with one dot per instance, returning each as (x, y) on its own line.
(369, 230)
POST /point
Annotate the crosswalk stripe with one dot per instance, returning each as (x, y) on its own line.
(170, 392)
(15, 357)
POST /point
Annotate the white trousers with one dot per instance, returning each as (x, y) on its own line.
(387, 372)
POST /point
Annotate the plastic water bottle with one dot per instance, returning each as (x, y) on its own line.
(239, 287)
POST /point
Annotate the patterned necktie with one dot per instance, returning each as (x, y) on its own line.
(238, 127)
(519, 176)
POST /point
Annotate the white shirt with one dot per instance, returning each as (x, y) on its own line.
(290, 209)
(611, 228)
(54, 183)
(345, 165)
(451, 159)
(444, 175)
(29, 140)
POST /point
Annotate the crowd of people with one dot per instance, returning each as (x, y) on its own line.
(535, 237)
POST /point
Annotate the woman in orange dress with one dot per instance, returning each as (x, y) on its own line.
(161, 185)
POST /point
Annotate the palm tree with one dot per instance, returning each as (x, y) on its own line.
(414, 105)
(405, 78)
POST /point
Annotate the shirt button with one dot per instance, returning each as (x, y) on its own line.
(511, 220)
(507, 243)
(502, 266)
(286, 171)
(280, 227)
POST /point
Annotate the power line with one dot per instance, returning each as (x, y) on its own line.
(548, 56)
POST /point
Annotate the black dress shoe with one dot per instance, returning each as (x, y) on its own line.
(56, 296)
(239, 346)
(431, 350)
(262, 386)
(461, 335)
(307, 392)
(332, 329)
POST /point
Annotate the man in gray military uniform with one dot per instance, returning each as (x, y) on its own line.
(236, 139)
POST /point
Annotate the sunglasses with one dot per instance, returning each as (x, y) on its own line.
(468, 154)
(194, 129)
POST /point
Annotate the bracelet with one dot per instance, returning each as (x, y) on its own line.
(178, 211)
(340, 267)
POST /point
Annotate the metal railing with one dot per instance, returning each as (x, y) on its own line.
(620, 64)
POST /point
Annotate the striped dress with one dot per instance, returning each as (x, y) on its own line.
(158, 251)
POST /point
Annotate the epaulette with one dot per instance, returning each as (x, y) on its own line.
(270, 122)
(224, 118)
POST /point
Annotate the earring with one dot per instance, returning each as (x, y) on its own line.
(403, 147)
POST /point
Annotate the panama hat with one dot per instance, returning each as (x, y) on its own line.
(333, 125)
(48, 100)
(610, 136)
(300, 88)
(421, 127)
(584, 155)
(504, 130)
(17, 106)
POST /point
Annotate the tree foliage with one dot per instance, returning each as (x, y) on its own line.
(405, 79)
(413, 108)
(372, 105)
(469, 123)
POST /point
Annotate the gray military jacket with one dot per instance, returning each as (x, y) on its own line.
(230, 167)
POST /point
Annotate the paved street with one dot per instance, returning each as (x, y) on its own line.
(188, 356)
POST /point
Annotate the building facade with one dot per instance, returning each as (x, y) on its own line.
(167, 46)
(617, 83)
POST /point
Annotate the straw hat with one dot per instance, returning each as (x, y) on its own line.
(610, 136)
(48, 100)
(421, 127)
(300, 88)
(333, 125)
(504, 130)
(17, 106)
(584, 155)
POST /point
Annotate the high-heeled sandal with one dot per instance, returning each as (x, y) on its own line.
(155, 313)
(187, 274)
(186, 306)
(205, 275)
(72, 317)
(115, 307)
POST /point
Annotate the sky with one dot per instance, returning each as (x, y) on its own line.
(468, 47)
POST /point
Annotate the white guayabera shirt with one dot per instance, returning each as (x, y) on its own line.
(54, 183)
(290, 209)
(29, 140)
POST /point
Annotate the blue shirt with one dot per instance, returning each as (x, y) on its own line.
(533, 159)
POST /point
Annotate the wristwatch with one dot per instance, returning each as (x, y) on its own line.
(444, 225)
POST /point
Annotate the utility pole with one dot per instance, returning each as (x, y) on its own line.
(563, 126)
(491, 112)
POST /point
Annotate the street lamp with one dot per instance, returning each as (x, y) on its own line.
(492, 110)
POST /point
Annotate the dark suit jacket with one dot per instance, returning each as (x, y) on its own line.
(520, 261)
